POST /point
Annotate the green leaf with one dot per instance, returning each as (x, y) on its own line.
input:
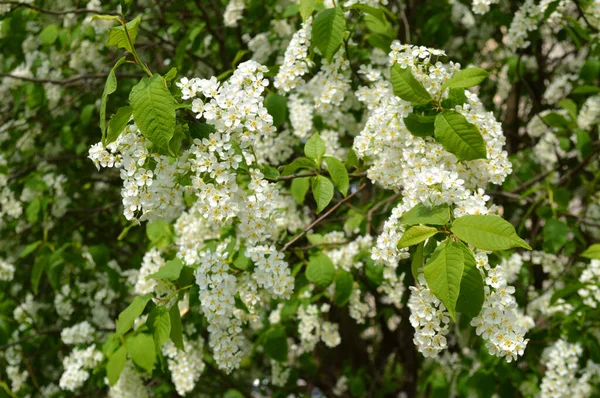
(118, 37)
(299, 189)
(170, 271)
(315, 148)
(115, 365)
(130, 314)
(171, 74)
(456, 96)
(105, 17)
(374, 272)
(30, 248)
(160, 326)
(554, 119)
(471, 297)
(33, 210)
(117, 123)
(570, 106)
(277, 107)
(407, 87)
(322, 190)
(142, 351)
(592, 252)
(421, 214)
(370, 10)
(443, 273)
(415, 235)
(306, 8)
(297, 164)
(159, 232)
(344, 283)
(487, 232)
(458, 136)
(49, 34)
(555, 235)
(417, 261)
(320, 270)
(176, 332)
(419, 125)
(110, 86)
(466, 78)
(39, 266)
(338, 174)
(276, 345)
(154, 110)
(328, 31)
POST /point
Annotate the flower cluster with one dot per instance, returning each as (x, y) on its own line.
(500, 322)
(78, 334)
(7, 271)
(233, 12)
(77, 367)
(296, 62)
(591, 278)
(186, 366)
(130, 384)
(311, 329)
(429, 318)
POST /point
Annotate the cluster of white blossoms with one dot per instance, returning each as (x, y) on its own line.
(151, 263)
(312, 329)
(429, 318)
(7, 271)
(562, 365)
(279, 374)
(552, 264)
(357, 307)
(80, 333)
(233, 12)
(147, 193)
(420, 167)
(77, 366)
(217, 298)
(500, 322)
(527, 18)
(559, 88)
(296, 62)
(589, 115)
(272, 271)
(129, 385)
(591, 278)
(482, 6)
(185, 366)
(14, 358)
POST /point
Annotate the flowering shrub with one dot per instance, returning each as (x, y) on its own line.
(299, 197)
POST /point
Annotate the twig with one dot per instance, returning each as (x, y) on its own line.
(324, 216)
(377, 206)
(69, 80)
(54, 12)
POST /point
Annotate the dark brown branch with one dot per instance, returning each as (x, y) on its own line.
(72, 79)
(18, 4)
(324, 216)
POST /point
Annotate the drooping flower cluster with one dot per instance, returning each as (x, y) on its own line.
(296, 62)
(591, 278)
(130, 384)
(560, 380)
(312, 329)
(78, 334)
(500, 322)
(147, 193)
(429, 318)
(78, 366)
(186, 366)
(7, 271)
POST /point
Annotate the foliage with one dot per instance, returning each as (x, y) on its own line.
(299, 197)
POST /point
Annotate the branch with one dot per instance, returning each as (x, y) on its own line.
(324, 216)
(18, 4)
(70, 80)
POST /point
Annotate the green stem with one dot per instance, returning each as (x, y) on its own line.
(133, 52)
